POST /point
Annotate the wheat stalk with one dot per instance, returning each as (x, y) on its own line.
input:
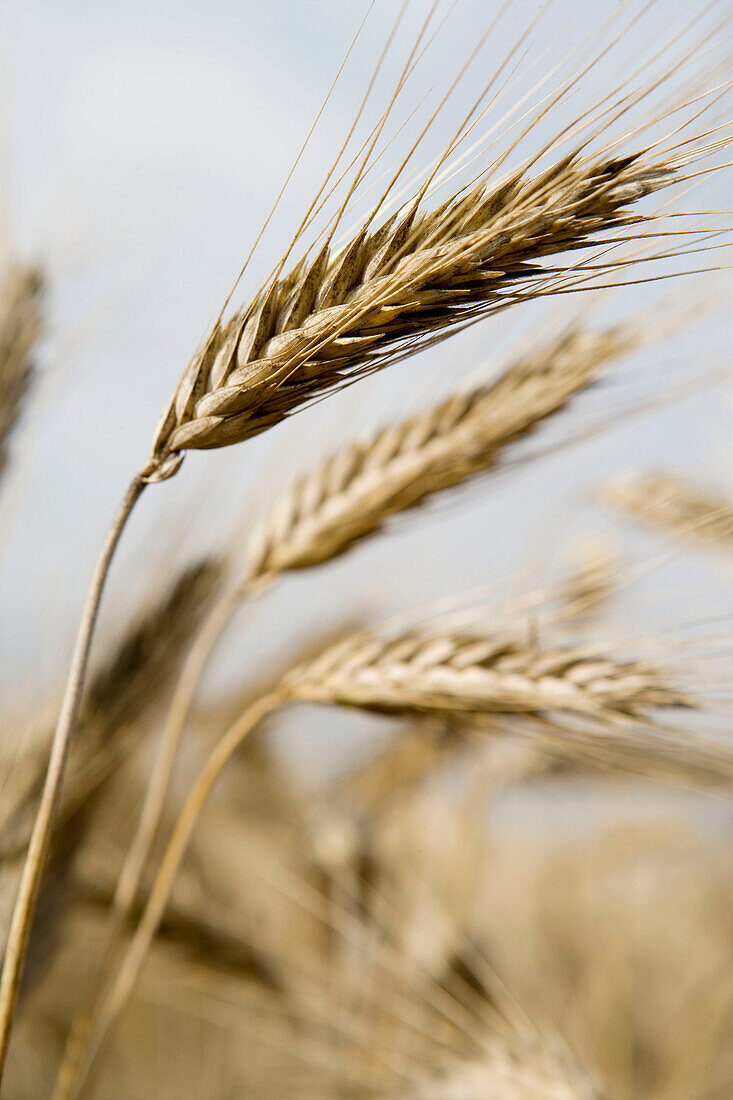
(676, 506)
(20, 325)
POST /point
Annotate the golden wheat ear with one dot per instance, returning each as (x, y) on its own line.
(677, 507)
(20, 329)
(392, 292)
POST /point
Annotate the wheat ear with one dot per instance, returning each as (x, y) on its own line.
(393, 291)
(20, 326)
(356, 491)
(676, 506)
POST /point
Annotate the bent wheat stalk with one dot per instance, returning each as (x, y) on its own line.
(22, 918)
(79, 1061)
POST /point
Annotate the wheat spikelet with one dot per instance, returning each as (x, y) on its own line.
(391, 291)
(452, 673)
(354, 492)
(20, 324)
(676, 506)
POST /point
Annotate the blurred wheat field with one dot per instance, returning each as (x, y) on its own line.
(396, 761)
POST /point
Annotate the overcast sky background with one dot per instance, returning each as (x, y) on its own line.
(142, 146)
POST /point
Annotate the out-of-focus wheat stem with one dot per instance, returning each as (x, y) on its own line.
(79, 1059)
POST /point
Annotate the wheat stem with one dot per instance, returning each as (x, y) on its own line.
(151, 813)
(72, 1076)
(24, 908)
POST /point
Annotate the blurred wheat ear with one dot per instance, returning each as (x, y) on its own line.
(20, 329)
(676, 507)
(355, 492)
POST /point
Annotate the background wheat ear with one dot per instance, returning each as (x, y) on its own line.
(21, 292)
(358, 489)
(677, 507)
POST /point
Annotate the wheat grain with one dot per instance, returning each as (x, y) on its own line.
(20, 325)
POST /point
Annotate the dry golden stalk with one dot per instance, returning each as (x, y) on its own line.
(20, 327)
(677, 507)
(354, 492)
(392, 291)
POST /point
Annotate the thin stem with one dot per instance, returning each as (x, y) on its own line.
(20, 926)
(148, 925)
(180, 707)
(133, 866)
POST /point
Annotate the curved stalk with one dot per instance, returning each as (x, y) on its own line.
(71, 1077)
(130, 876)
(22, 918)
